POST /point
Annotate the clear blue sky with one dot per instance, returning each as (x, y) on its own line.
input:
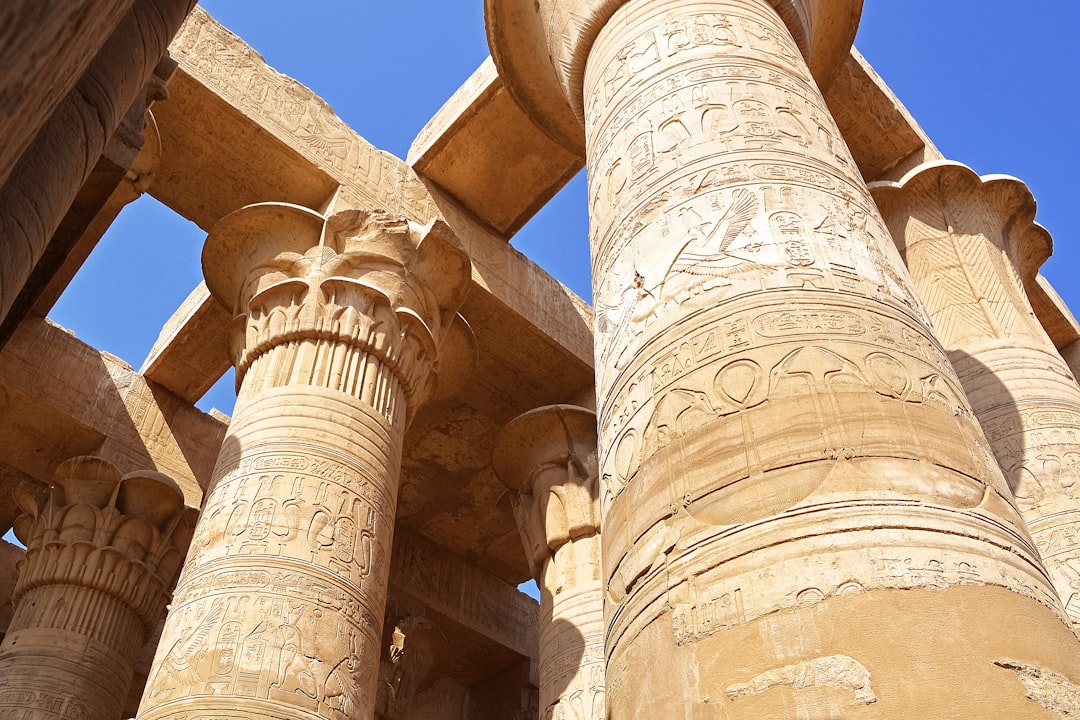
(993, 82)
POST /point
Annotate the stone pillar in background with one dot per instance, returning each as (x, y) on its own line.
(102, 553)
(419, 655)
(547, 457)
(801, 516)
(969, 243)
(336, 335)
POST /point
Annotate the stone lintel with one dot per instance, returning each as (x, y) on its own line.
(485, 151)
(1053, 313)
(191, 354)
(479, 601)
(884, 139)
(225, 145)
(60, 397)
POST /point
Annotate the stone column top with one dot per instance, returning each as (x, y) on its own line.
(550, 434)
(90, 517)
(547, 458)
(956, 189)
(368, 278)
(540, 48)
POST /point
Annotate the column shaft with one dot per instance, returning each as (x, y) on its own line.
(547, 457)
(795, 492)
(280, 609)
(967, 242)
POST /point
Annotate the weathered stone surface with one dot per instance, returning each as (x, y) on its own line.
(59, 397)
(336, 336)
(45, 46)
(770, 395)
(481, 143)
(42, 186)
(798, 499)
(971, 245)
(102, 554)
(547, 458)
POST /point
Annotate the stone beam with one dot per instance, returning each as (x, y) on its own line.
(884, 139)
(60, 397)
(443, 581)
(485, 151)
(235, 132)
(190, 354)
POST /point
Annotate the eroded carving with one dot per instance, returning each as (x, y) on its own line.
(840, 672)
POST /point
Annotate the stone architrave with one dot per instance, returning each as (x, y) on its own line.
(336, 334)
(547, 457)
(102, 553)
(795, 492)
(970, 243)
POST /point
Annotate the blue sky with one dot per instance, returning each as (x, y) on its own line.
(993, 82)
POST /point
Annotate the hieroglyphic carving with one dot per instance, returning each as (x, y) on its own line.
(770, 395)
(226, 64)
(547, 457)
(102, 552)
(335, 340)
(839, 672)
(969, 243)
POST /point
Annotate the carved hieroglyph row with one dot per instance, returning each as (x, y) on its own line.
(969, 243)
(335, 340)
(778, 426)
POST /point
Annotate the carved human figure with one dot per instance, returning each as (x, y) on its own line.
(547, 457)
(102, 553)
(783, 444)
(418, 654)
(970, 243)
(336, 338)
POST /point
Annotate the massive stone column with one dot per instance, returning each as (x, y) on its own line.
(337, 327)
(102, 553)
(547, 457)
(970, 243)
(800, 514)
(48, 176)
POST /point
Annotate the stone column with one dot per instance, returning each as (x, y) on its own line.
(337, 327)
(102, 553)
(970, 243)
(47, 178)
(801, 516)
(419, 655)
(547, 457)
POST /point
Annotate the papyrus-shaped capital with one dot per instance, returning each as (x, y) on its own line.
(547, 458)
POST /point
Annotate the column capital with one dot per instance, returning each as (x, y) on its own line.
(124, 536)
(947, 197)
(540, 49)
(547, 458)
(369, 280)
